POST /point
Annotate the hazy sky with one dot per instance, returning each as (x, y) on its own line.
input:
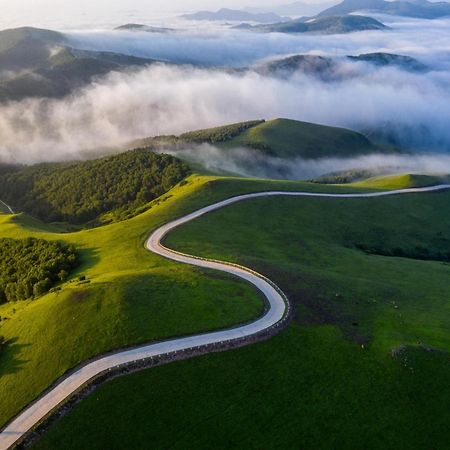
(157, 5)
(63, 14)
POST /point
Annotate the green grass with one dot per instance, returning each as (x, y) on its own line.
(402, 181)
(329, 380)
(132, 296)
(293, 139)
(281, 138)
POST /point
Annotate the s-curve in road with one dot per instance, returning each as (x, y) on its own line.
(277, 312)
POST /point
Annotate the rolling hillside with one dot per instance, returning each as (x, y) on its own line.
(226, 14)
(388, 59)
(402, 181)
(95, 191)
(281, 138)
(367, 346)
(329, 69)
(337, 24)
(41, 63)
(421, 9)
(119, 295)
(292, 139)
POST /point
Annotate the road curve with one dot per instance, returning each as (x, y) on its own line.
(276, 312)
(10, 210)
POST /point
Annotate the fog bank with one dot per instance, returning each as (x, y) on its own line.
(170, 100)
(251, 163)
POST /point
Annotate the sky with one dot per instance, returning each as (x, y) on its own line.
(83, 14)
(62, 14)
(52, 6)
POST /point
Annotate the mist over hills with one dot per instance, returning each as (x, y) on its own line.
(334, 69)
(326, 25)
(295, 9)
(226, 14)
(419, 8)
(141, 27)
(40, 63)
(88, 90)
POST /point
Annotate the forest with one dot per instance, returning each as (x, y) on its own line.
(80, 192)
(31, 267)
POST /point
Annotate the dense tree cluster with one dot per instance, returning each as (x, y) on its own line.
(80, 192)
(219, 134)
(30, 267)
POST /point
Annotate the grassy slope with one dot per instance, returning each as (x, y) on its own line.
(133, 296)
(281, 138)
(289, 139)
(313, 386)
(401, 181)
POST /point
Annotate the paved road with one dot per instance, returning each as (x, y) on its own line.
(278, 307)
(10, 210)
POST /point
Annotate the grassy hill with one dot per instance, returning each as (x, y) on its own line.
(337, 24)
(364, 363)
(402, 181)
(44, 64)
(293, 139)
(282, 138)
(120, 295)
(371, 179)
(95, 191)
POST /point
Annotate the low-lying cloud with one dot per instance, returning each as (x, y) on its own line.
(213, 45)
(412, 108)
(170, 100)
(251, 163)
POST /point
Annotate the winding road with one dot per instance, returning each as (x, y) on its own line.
(10, 210)
(278, 309)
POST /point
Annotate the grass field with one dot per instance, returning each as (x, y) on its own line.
(130, 296)
(293, 139)
(365, 363)
(281, 138)
(402, 181)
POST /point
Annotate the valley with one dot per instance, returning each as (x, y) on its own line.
(224, 225)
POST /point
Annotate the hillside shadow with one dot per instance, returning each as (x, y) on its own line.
(10, 361)
(89, 257)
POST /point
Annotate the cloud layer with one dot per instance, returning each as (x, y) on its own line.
(250, 163)
(170, 100)
(165, 99)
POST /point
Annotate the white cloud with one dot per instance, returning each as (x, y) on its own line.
(169, 100)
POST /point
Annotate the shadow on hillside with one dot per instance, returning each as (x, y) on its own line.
(10, 361)
(89, 257)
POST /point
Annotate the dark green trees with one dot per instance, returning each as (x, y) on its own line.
(80, 192)
(30, 267)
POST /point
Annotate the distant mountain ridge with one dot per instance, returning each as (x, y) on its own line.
(328, 69)
(295, 9)
(41, 63)
(225, 14)
(141, 27)
(420, 8)
(321, 25)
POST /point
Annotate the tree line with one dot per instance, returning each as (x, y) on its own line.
(80, 192)
(31, 267)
